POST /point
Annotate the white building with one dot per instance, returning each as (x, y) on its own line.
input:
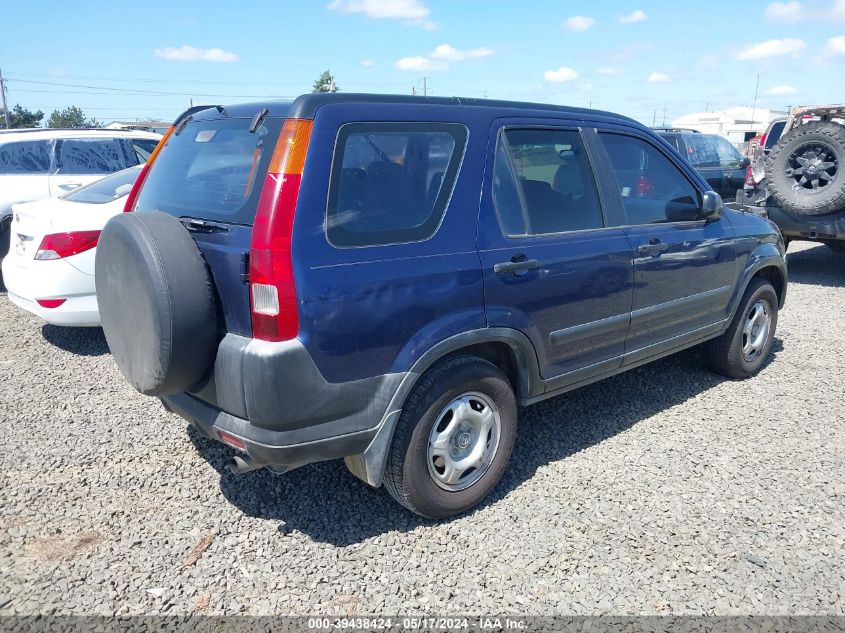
(738, 125)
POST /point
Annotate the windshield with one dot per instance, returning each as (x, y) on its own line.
(106, 189)
(211, 169)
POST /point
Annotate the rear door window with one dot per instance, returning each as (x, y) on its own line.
(391, 182)
(25, 157)
(549, 172)
(212, 169)
(729, 156)
(93, 155)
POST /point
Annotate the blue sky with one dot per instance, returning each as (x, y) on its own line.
(147, 60)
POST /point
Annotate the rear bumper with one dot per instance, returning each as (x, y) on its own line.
(810, 227)
(266, 448)
(52, 279)
(274, 398)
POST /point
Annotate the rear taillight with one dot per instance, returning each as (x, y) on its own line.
(272, 291)
(749, 177)
(644, 187)
(59, 245)
(132, 198)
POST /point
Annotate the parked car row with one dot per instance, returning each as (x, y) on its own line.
(386, 279)
(48, 163)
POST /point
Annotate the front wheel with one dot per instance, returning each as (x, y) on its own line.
(453, 439)
(742, 350)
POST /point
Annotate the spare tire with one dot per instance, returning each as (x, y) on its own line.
(156, 301)
(805, 169)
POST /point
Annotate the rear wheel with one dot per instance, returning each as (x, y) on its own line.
(453, 439)
(742, 350)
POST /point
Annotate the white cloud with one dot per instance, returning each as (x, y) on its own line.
(560, 75)
(772, 48)
(607, 70)
(441, 57)
(793, 11)
(579, 23)
(788, 12)
(632, 18)
(586, 87)
(779, 91)
(409, 12)
(191, 54)
(658, 78)
(835, 45)
(418, 62)
(368, 63)
(447, 53)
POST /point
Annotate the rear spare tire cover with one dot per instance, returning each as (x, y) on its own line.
(156, 302)
(805, 169)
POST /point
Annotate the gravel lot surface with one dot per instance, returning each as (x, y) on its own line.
(663, 490)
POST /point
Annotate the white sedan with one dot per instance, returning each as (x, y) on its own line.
(49, 270)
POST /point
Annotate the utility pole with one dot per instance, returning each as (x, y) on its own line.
(413, 91)
(664, 116)
(5, 105)
(654, 119)
(425, 81)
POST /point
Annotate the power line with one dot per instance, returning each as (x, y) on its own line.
(156, 93)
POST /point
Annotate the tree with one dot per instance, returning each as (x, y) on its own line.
(21, 117)
(71, 117)
(325, 83)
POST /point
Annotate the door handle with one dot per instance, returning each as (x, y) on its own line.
(652, 249)
(515, 266)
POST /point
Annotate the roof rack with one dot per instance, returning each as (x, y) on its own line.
(63, 129)
(676, 129)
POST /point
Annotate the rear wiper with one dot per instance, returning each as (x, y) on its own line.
(258, 119)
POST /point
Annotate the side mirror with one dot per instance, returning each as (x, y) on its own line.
(744, 162)
(711, 206)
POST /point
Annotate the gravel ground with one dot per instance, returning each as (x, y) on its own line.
(663, 490)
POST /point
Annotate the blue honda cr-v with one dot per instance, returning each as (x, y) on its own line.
(386, 279)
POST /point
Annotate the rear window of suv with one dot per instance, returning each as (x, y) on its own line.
(391, 182)
(212, 169)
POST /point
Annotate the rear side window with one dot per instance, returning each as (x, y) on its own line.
(701, 150)
(143, 147)
(543, 183)
(391, 182)
(25, 157)
(106, 189)
(213, 170)
(93, 156)
(774, 134)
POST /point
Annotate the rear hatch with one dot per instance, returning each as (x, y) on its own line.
(209, 175)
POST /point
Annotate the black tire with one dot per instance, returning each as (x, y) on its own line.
(407, 476)
(782, 170)
(726, 352)
(156, 301)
